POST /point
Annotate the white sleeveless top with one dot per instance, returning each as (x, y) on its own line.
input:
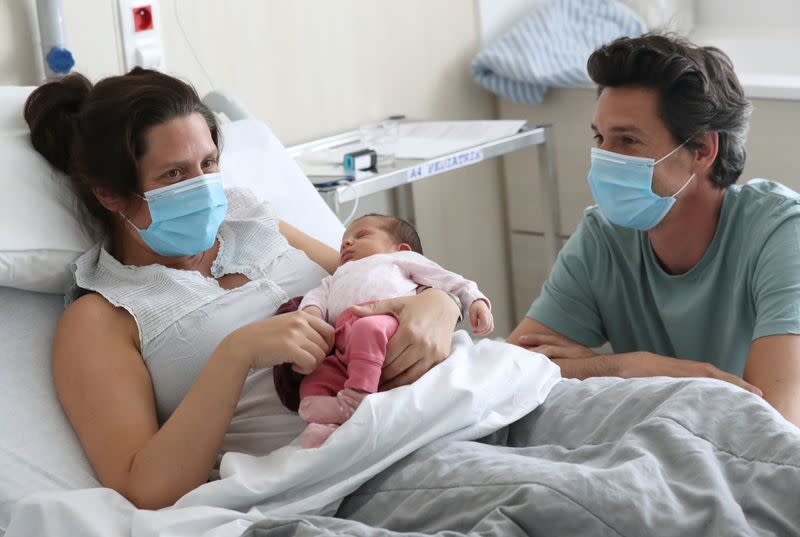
(182, 315)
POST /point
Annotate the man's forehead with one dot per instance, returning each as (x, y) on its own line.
(628, 110)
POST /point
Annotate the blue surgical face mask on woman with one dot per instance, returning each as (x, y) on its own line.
(622, 186)
(185, 217)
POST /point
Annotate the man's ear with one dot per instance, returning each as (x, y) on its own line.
(403, 247)
(707, 152)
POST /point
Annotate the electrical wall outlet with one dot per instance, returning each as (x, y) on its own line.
(140, 32)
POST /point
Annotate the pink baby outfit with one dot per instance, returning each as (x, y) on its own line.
(331, 393)
(360, 349)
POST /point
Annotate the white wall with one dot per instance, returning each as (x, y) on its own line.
(311, 68)
(497, 16)
(749, 15)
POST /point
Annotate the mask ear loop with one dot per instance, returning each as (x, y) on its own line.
(355, 206)
(689, 180)
(673, 151)
(126, 218)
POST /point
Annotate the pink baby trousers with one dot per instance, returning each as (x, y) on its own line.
(360, 350)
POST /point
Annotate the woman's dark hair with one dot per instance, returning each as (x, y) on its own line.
(698, 91)
(96, 134)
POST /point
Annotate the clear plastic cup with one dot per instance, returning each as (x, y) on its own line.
(382, 137)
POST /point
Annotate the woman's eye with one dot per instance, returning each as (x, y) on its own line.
(174, 174)
(209, 162)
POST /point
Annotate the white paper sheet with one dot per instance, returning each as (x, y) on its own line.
(428, 139)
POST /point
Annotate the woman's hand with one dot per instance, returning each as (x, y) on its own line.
(299, 338)
(423, 338)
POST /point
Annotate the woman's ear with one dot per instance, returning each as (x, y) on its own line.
(112, 202)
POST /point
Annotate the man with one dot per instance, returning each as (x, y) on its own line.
(685, 273)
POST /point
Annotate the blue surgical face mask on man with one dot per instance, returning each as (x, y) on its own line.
(622, 186)
(185, 216)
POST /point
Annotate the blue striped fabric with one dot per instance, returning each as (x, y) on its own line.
(550, 46)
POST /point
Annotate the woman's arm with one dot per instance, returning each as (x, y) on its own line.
(107, 394)
(317, 251)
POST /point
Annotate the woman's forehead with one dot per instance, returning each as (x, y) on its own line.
(181, 138)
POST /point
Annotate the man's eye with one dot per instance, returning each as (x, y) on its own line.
(627, 140)
(597, 139)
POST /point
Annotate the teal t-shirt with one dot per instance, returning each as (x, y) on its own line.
(607, 284)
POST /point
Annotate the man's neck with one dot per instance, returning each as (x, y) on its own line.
(682, 239)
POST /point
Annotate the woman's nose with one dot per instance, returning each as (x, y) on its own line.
(196, 171)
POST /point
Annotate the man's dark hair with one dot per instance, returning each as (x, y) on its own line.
(400, 230)
(698, 92)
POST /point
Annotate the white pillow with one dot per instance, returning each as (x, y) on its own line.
(12, 99)
(40, 234)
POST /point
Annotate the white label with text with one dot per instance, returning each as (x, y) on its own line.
(444, 164)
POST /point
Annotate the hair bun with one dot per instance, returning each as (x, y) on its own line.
(50, 112)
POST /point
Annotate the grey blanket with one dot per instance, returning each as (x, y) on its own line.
(601, 457)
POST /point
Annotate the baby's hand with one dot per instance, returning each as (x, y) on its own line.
(480, 317)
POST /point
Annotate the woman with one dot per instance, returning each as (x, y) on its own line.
(165, 361)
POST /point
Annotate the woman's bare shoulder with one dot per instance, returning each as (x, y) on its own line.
(92, 319)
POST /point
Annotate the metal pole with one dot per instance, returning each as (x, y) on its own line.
(404, 203)
(549, 191)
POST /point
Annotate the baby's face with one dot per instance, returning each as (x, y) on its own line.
(366, 237)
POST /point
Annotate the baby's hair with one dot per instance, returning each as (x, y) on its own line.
(400, 230)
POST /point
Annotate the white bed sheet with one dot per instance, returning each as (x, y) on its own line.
(38, 449)
(479, 389)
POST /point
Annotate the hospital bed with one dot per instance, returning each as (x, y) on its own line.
(599, 457)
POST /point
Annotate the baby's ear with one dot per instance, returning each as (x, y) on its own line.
(403, 247)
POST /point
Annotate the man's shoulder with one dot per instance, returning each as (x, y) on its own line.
(767, 193)
(761, 204)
